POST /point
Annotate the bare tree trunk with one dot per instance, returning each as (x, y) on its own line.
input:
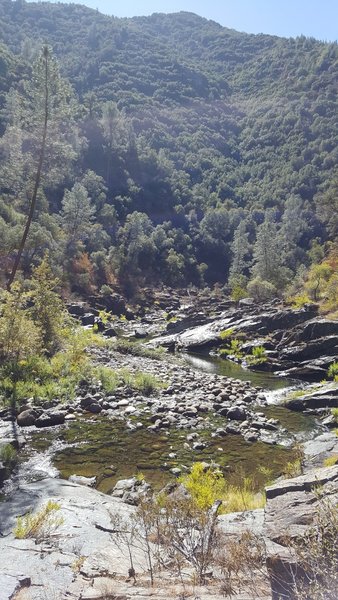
(37, 176)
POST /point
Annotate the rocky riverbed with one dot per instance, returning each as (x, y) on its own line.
(100, 438)
(192, 414)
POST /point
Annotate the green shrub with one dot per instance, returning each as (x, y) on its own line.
(8, 456)
(234, 349)
(331, 461)
(333, 371)
(146, 383)
(225, 334)
(206, 486)
(295, 467)
(109, 378)
(258, 356)
(261, 290)
(238, 292)
(106, 290)
(39, 525)
(136, 349)
(105, 316)
(334, 413)
(299, 301)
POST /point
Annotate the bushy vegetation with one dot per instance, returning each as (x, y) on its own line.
(126, 347)
(44, 354)
(207, 485)
(257, 356)
(333, 371)
(317, 556)
(41, 524)
(9, 457)
(192, 158)
(180, 529)
(233, 348)
(330, 461)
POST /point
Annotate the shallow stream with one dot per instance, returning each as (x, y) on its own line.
(96, 446)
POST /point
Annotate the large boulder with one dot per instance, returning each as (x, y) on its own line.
(131, 491)
(76, 309)
(88, 319)
(291, 509)
(27, 417)
(50, 418)
(248, 321)
(324, 397)
(187, 322)
(320, 448)
(84, 539)
(287, 318)
(308, 371)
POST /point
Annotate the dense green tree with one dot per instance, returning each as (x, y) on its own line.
(20, 337)
(47, 310)
(240, 251)
(268, 258)
(77, 215)
(189, 124)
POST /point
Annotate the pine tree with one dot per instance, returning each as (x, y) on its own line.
(267, 254)
(77, 214)
(47, 312)
(43, 118)
(294, 226)
(240, 250)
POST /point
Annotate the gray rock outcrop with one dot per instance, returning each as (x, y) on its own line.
(291, 509)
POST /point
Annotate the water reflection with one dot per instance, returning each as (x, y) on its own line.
(220, 366)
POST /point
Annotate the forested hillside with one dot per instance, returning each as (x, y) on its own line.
(177, 152)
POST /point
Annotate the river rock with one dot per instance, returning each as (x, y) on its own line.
(12, 583)
(311, 349)
(187, 321)
(76, 309)
(309, 371)
(3, 473)
(27, 417)
(86, 401)
(320, 448)
(110, 332)
(131, 490)
(94, 408)
(88, 319)
(237, 413)
(313, 330)
(85, 534)
(199, 446)
(81, 480)
(50, 418)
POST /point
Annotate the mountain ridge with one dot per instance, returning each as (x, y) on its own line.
(210, 123)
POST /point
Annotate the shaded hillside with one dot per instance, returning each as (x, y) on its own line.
(209, 128)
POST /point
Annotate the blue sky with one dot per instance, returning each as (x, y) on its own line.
(317, 18)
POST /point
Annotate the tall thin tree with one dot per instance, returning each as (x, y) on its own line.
(45, 58)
